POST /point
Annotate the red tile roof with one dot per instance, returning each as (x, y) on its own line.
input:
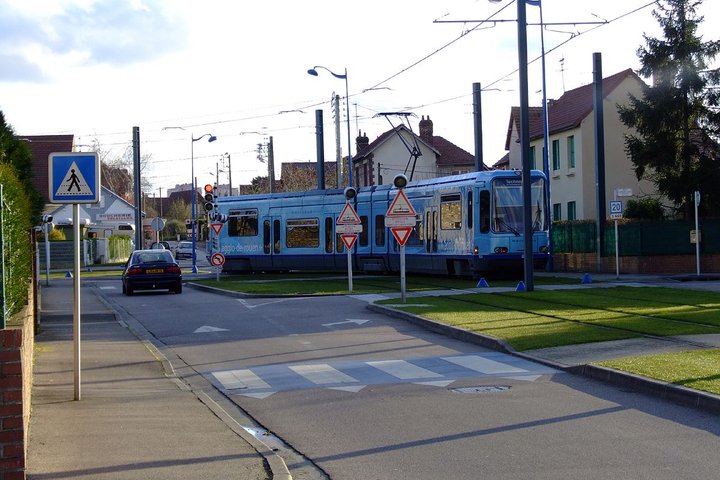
(569, 110)
(448, 154)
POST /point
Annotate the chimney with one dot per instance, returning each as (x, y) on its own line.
(426, 130)
(361, 144)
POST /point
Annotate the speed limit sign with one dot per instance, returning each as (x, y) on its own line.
(217, 260)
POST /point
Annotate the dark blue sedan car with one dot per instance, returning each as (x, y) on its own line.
(151, 270)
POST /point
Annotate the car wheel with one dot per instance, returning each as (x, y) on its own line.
(129, 291)
(178, 289)
(124, 290)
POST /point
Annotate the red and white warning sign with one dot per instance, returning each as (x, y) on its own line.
(400, 206)
(348, 216)
(349, 239)
(401, 234)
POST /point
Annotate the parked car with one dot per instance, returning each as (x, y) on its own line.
(160, 246)
(151, 270)
(183, 250)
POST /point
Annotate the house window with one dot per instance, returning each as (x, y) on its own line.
(571, 213)
(557, 212)
(533, 165)
(571, 151)
(556, 154)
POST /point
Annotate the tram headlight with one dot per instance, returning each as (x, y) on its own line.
(476, 250)
(501, 250)
(544, 249)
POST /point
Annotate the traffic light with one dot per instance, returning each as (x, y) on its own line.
(210, 196)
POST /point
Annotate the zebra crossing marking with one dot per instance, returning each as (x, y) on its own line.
(322, 374)
(354, 375)
(402, 369)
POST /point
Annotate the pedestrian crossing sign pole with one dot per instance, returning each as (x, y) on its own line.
(74, 177)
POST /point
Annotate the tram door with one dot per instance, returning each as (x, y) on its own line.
(272, 243)
(431, 233)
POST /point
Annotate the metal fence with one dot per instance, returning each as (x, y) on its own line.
(637, 238)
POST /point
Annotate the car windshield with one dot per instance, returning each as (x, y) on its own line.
(153, 257)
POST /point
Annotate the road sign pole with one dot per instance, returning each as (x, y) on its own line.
(617, 253)
(402, 273)
(76, 298)
(350, 272)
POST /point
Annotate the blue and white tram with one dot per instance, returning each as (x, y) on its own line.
(466, 225)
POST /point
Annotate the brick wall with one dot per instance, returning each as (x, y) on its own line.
(16, 354)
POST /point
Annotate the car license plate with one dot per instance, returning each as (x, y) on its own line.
(154, 270)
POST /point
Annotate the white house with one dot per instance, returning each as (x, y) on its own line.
(400, 150)
(571, 147)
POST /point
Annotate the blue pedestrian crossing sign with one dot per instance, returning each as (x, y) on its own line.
(74, 177)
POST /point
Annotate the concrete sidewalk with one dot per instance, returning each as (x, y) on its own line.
(133, 421)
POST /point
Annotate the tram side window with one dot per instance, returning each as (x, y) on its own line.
(470, 210)
(276, 236)
(339, 244)
(302, 233)
(364, 234)
(328, 235)
(266, 236)
(379, 230)
(485, 211)
(416, 236)
(450, 212)
(243, 223)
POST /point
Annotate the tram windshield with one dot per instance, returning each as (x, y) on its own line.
(508, 205)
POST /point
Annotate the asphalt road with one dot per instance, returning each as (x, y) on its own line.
(364, 396)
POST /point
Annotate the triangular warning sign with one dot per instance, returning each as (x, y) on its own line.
(400, 206)
(401, 234)
(217, 227)
(349, 239)
(73, 184)
(348, 216)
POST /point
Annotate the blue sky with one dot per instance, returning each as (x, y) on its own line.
(97, 68)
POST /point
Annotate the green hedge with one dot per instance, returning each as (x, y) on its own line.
(16, 244)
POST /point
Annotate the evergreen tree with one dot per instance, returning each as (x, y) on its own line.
(677, 121)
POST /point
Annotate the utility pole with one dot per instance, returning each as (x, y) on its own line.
(227, 155)
(271, 165)
(338, 148)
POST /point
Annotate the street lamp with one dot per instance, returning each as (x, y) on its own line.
(313, 72)
(211, 138)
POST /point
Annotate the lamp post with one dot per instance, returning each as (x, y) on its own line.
(313, 71)
(211, 138)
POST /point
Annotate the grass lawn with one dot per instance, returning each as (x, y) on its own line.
(541, 319)
(697, 369)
